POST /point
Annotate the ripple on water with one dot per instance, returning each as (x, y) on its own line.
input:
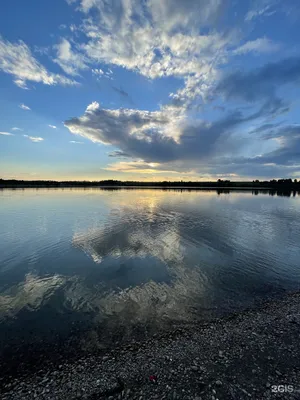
(140, 256)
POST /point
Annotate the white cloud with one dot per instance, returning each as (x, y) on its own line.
(34, 139)
(52, 126)
(70, 61)
(93, 106)
(260, 45)
(76, 142)
(17, 60)
(263, 8)
(24, 107)
(168, 38)
(16, 129)
(155, 54)
(159, 39)
(168, 14)
(99, 73)
(172, 14)
(256, 13)
(6, 134)
(42, 50)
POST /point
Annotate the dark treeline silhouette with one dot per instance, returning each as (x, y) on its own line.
(282, 185)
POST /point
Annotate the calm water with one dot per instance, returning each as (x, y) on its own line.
(120, 258)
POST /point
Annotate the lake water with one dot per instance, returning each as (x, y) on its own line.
(117, 259)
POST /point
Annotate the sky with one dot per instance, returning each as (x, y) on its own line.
(149, 89)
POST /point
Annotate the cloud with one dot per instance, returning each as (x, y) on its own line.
(282, 161)
(161, 136)
(70, 61)
(24, 107)
(119, 154)
(168, 38)
(114, 126)
(266, 127)
(34, 139)
(42, 50)
(267, 8)
(203, 149)
(261, 83)
(6, 134)
(288, 152)
(52, 126)
(260, 45)
(157, 39)
(170, 14)
(140, 167)
(153, 53)
(16, 129)
(173, 14)
(75, 142)
(99, 73)
(17, 60)
(265, 11)
(184, 40)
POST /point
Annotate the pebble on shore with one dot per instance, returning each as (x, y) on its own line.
(220, 360)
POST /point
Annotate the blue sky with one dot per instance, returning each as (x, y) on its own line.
(149, 89)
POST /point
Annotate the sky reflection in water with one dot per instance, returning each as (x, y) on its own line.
(142, 256)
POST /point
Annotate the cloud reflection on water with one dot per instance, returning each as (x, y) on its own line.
(151, 257)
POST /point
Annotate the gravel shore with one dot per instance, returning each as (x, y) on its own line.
(251, 354)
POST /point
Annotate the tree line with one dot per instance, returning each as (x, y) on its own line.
(272, 184)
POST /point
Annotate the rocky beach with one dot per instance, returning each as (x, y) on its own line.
(250, 354)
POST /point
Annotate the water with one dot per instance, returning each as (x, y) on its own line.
(113, 259)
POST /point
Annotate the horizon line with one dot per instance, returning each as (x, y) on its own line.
(273, 180)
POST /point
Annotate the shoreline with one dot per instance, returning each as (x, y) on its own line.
(247, 354)
(216, 187)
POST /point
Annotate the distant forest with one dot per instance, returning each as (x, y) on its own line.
(280, 184)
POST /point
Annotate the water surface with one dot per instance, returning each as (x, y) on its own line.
(122, 258)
